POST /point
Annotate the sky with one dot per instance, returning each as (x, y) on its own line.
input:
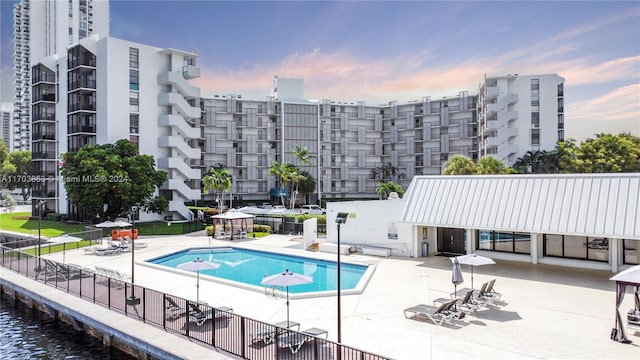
(381, 51)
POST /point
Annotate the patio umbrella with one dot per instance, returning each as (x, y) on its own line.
(287, 278)
(473, 260)
(197, 265)
(456, 276)
(63, 240)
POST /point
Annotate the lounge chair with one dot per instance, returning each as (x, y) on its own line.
(295, 340)
(172, 309)
(468, 303)
(491, 291)
(268, 332)
(200, 316)
(439, 315)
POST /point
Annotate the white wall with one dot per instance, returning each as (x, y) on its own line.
(369, 223)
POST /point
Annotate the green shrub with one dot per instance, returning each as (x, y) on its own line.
(54, 216)
(262, 228)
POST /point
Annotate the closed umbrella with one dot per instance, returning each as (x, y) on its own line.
(197, 265)
(63, 240)
(287, 278)
(456, 276)
(473, 260)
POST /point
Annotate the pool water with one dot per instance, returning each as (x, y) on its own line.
(251, 266)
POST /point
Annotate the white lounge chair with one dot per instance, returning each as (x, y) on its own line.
(295, 340)
(439, 315)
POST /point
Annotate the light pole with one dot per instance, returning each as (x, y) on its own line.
(133, 300)
(341, 218)
(40, 203)
(133, 240)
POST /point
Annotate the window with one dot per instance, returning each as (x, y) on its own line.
(134, 80)
(519, 243)
(535, 136)
(535, 84)
(576, 247)
(133, 58)
(535, 119)
(133, 123)
(134, 101)
(535, 101)
(560, 121)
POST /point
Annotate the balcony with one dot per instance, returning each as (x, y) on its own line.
(180, 104)
(179, 144)
(182, 85)
(190, 72)
(179, 123)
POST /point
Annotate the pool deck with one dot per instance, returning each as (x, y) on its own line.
(546, 312)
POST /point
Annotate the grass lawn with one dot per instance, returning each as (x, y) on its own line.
(19, 222)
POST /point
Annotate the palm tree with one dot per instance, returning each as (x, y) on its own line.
(459, 165)
(283, 171)
(490, 165)
(218, 179)
(302, 154)
(386, 188)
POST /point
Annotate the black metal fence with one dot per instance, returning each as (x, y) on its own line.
(219, 328)
(285, 225)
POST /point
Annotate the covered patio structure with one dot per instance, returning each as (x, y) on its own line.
(232, 223)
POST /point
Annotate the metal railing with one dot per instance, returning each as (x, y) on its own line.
(218, 328)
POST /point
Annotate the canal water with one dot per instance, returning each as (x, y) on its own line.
(27, 334)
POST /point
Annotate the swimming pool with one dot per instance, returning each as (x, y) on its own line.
(248, 267)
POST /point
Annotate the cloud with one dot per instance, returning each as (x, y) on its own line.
(615, 112)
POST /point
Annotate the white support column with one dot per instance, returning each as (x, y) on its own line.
(614, 253)
(470, 246)
(536, 239)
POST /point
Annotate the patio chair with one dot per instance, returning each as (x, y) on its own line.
(268, 332)
(200, 316)
(468, 303)
(439, 315)
(172, 309)
(295, 340)
(491, 291)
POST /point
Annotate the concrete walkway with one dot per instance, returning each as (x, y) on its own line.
(547, 312)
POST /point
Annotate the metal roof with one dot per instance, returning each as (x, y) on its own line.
(606, 205)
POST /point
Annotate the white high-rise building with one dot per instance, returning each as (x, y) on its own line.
(45, 28)
(519, 113)
(112, 89)
(6, 110)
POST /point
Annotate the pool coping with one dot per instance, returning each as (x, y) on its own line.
(358, 289)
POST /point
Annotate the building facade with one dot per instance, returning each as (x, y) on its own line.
(104, 89)
(6, 112)
(356, 145)
(45, 28)
(517, 113)
(575, 220)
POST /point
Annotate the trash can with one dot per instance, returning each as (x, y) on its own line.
(425, 249)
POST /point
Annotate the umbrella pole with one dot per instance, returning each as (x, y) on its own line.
(287, 307)
(471, 276)
(198, 286)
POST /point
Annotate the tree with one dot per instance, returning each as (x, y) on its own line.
(608, 153)
(22, 176)
(308, 185)
(6, 200)
(218, 179)
(538, 162)
(386, 188)
(490, 165)
(108, 180)
(459, 165)
(282, 171)
(302, 154)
